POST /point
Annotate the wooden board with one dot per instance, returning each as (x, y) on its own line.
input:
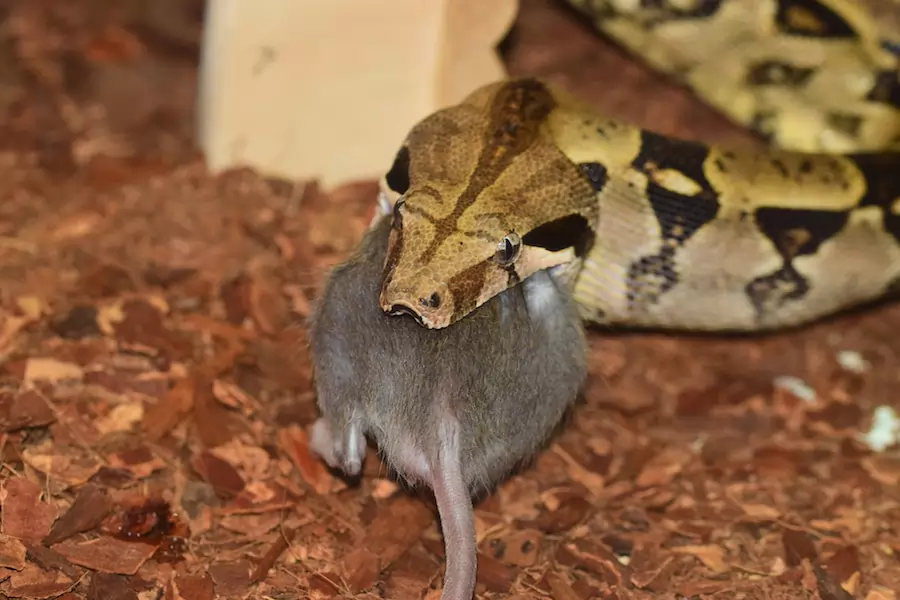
(328, 88)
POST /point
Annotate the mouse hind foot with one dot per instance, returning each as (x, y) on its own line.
(341, 448)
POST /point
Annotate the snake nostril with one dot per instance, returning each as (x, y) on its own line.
(433, 301)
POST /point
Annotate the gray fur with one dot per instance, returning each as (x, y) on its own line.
(484, 393)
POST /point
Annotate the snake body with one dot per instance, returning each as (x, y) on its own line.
(655, 231)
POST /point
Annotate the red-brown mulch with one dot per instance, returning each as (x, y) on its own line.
(155, 390)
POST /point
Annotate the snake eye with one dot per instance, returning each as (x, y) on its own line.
(508, 249)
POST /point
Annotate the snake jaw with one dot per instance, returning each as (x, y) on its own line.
(398, 310)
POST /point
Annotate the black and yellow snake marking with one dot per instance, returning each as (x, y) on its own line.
(653, 231)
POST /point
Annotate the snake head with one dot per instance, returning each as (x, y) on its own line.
(481, 199)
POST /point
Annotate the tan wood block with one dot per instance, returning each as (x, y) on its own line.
(328, 88)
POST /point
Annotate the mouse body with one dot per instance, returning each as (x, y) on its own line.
(456, 409)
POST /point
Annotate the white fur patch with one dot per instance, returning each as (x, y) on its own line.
(410, 461)
(541, 295)
(383, 208)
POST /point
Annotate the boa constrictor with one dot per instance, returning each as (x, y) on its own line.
(654, 231)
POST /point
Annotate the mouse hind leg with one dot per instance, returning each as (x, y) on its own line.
(338, 436)
(341, 447)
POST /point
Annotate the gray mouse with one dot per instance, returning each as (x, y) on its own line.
(458, 408)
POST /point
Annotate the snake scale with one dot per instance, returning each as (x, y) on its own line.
(651, 230)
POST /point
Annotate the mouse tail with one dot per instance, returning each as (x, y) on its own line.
(457, 516)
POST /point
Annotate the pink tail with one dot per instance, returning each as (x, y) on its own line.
(457, 518)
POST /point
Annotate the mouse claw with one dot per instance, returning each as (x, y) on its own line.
(354, 451)
(346, 452)
(322, 443)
